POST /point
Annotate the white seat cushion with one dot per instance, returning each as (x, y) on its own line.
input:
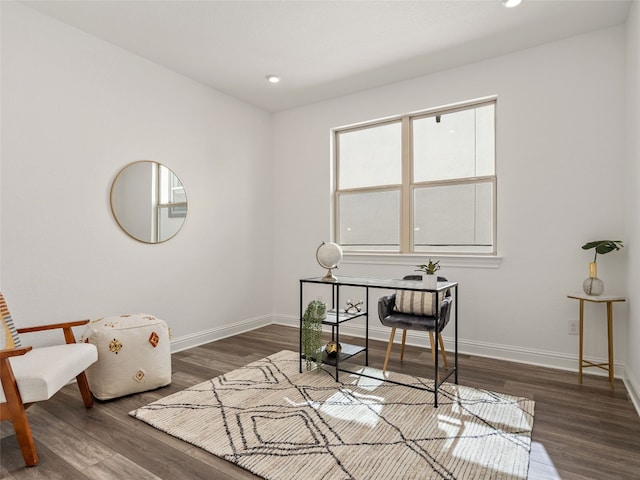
(43, 371)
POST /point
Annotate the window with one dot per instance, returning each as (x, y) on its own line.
(420, 183)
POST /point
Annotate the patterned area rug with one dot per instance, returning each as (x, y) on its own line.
(280, 424)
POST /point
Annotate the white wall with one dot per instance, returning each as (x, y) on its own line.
(633, 200)
(560, 165)
(75, 110)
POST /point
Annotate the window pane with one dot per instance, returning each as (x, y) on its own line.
(170, 220)
(370, 157)
(454, 218)
(370, 221)
(171, 189)
(459, 145)
(485, 140)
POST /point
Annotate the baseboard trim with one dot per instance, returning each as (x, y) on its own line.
(633, 387)
(541, 358)
(206, 336)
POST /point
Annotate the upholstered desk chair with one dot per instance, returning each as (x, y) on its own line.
(411, 310)
(34, 374)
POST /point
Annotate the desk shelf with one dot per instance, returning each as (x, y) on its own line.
(348, 350)
(333, 319)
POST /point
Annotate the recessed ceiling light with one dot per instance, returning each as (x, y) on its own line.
(511, 3)
(273, 78)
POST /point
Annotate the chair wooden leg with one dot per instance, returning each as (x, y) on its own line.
(442, 350)
(386, 358)
(17, 413)
(433, 347)
(23, 434)
(404, 339)
(83, 385)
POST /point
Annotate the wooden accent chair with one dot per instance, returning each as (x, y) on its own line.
(34, 374)
(411, 316)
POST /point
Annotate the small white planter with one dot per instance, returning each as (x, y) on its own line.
(430, 281)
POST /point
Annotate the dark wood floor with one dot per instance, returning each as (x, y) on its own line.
(580, 431)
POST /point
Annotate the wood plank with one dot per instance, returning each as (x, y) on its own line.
(118, 466)
(67, 440)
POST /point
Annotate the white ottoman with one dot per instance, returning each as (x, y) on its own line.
(133, 355)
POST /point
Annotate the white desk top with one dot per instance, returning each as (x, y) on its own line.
(599, 298)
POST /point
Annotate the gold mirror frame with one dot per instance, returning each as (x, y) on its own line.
(148, 201)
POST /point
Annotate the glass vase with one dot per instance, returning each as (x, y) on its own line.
(593, 285)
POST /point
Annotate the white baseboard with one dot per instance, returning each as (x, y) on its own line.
(633, 387)
(200, 338)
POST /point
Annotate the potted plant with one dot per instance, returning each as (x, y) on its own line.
(312, 333)
(593, 285)
(429, 278)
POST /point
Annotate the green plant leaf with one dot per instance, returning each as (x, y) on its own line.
(603, 246)
(312, 333)
(429, 269)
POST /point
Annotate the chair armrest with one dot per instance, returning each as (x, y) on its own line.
(385, 306)
(445, 312)
(13, 352)
(52, 326)
(66, 328)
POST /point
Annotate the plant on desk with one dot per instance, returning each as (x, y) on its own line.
(429, 269)
(312, 333)
(429, 279)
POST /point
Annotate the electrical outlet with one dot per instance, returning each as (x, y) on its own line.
(573, 327)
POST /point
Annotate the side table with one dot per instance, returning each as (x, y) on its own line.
(609, 300)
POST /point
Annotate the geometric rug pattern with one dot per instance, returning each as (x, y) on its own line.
(278, 423)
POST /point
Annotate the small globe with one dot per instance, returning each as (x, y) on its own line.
(329, 255)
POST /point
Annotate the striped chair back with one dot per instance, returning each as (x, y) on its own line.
(8, 335)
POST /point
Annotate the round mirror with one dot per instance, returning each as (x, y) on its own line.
(329, 255)
(148, 201)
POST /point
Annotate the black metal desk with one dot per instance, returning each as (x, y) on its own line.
(335, 318)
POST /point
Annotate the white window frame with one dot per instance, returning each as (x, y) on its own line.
(408, 186)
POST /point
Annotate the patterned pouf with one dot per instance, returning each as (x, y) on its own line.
(133, 355)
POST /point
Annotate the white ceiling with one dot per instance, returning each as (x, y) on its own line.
(325, 49)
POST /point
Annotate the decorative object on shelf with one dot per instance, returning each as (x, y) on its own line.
(593, 285)
(354, 307)
(312, 333)
(329, 256)
(333, 349)
(429, 278)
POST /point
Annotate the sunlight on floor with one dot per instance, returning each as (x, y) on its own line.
(368, 383)
(354, 407)
(540, 464)
(451, 426)
(470, 403)
(348, 405)
(474, 441)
